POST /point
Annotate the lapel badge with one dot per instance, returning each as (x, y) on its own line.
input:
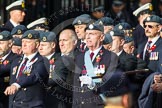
(14, 70)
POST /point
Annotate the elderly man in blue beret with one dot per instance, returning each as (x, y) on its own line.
(91, 66)
(28, 75)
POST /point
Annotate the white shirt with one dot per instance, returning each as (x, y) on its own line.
(4, 57)
(49, 56)
(14, 24)
(118, 54)
(95, 52)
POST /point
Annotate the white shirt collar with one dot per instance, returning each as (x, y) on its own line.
(30, 57)
(49, 56)
(4, 57)
(154, 40)
(95, 52)
(118, 54)
(14, 24)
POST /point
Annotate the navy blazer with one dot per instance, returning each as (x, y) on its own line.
(83, 97)
(8, 26)
(31, 93)
(153, 64)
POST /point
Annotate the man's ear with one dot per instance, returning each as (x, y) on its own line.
(122, 42)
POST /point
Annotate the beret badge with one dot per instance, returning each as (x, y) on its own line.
(19, 32)
(120, 27)
(44, 38)
(1, 37)
(91, 26)
(29, 35)
(79, 22)
(111, 33)
(148, 19)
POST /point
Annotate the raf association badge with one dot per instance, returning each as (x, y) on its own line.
(14, 70)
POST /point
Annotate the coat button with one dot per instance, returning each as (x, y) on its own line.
(24, 89)
(82, 102)
(14, 101)
(21, 102)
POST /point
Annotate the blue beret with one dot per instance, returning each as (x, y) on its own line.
(98, 8)
(117, 32)
(128, 39)
(31, 34)
(47, 37)
(120, 84)
(107, 39)
(5, 35)
(16, 41)
(123, 26)
(96, 26)
(153, 18)
(18, 30)
(106, 21)
(82, 19)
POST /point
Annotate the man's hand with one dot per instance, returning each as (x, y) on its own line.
(11, 90)
(157, 87)
(158, 78)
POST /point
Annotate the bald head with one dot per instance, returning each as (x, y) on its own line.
(67, 41)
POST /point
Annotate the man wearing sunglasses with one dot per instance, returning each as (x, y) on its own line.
(141, 13)
(151, 48)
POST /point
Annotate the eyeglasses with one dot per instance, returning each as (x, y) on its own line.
(150, 26)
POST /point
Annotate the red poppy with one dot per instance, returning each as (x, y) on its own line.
(5, 62)
(84, 71)
(52, 61)
(153, 48)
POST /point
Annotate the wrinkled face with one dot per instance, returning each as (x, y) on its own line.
(16, 49)
(17, 15)
(94, 39)
(66, 43)
(29, 46)
(44, 46)
(5, 46)
(80, 31)
(116, 44)
(128, 48)
(151, 29)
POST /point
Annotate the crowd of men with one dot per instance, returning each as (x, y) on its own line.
(100, 65)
